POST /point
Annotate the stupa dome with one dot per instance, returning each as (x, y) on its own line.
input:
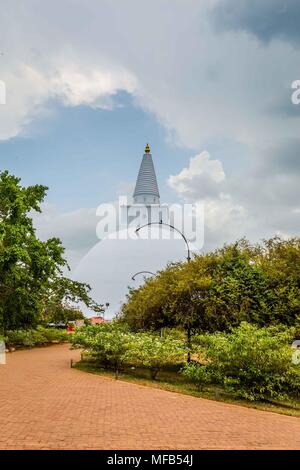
(109, 266)
(111, 263)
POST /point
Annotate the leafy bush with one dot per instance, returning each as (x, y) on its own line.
(108, 344)
(113, 345)
(250, 362)
(34, 337)
(156, 352)
(197, 374)
(24, 338)
(253, 363)
(53, 334)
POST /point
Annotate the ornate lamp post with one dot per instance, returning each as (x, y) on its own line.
(106, 307)
(188, 260)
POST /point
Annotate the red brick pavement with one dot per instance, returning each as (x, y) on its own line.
(44, 404)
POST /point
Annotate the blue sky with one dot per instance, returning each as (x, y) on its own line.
(87, 156)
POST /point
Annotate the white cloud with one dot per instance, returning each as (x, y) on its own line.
(225, 221)
(204, 85)
(76, 229)
(200, 179)
(257, 204)
(29, 88)
(204, 180)
(76, 87)
(201, 82)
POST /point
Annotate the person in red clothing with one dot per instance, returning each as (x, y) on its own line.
(70, 328)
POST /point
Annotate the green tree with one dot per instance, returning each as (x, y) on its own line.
(280, 260)
(29, 268)
(62, 298)
(217, 291)
(240, 289)
(26, 263)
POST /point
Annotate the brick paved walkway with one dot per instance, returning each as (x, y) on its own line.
(46, 405)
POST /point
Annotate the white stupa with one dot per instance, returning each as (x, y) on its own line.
(110, 265)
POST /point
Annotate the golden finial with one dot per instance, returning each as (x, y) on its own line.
(147, 149)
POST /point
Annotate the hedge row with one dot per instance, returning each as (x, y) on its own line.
(34, 337)
(250, 362)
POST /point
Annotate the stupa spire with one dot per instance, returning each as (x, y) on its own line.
(146, 188)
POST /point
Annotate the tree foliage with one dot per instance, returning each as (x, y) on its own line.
(216, 291)
(112, 345)
(197, 374)
(30, 269)
(109, 344)
(251, 362)
(61, 299)
(155, 353)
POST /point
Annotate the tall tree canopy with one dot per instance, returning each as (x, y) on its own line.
(218, 290)
(30, 269)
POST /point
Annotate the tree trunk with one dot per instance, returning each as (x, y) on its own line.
(154, 373)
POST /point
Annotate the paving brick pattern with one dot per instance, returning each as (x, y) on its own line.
(44, 404)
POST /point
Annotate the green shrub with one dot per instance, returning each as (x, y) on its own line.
(113, 345)
(156, 352)
(53, 334)
(197, 374)
(253, 363)
(24, 338)
(108, 344)
(34, 337)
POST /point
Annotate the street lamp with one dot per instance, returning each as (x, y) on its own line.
(188, 260)
(106, 307)
(173, 228)
(142, 272)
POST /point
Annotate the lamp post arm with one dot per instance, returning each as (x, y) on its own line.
(173, 228)
(142, 272)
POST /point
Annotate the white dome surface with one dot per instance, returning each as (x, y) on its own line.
(109, 266)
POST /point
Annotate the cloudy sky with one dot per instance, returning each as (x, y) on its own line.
(206, 83)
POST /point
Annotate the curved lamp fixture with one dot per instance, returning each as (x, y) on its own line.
(173, 228)
(142, 272)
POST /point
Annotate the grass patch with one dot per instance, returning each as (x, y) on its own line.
(171, 381)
